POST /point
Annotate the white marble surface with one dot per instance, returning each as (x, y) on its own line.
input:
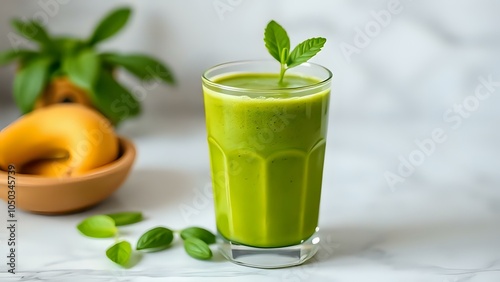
(441, 225)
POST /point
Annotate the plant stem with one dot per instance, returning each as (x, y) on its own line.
(282, 73)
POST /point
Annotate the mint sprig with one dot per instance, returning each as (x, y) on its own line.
(278, 44)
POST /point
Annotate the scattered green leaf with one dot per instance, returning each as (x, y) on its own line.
(196, 239)
(200, 233)
(126, 218)
(110, 25)
(98, 226)
(120, 253)
(156, 239)
(197, 248)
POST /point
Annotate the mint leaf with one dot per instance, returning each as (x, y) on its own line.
(120, 253)
(278, 45)
(155, 239)
(30, 82)
(143, 67)
(200, 233)
(304, 51)
(197, 249)
(83, 68)
(110, 25)
(126, 218)
(277, 41)
(98, 226)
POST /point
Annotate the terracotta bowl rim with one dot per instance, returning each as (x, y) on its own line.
(127, 156)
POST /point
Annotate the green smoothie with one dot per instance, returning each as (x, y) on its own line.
(266, 153)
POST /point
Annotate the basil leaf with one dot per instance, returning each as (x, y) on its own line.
(98, 226)
(199, 233)
(277, 41)
(197, 249)
(125, 218)
(30, 82)
(114, 100)
(305, 50)
(34, 31)
(11, 55)
(143, 67)
(110, 25)
(120, 253)
(155, 239)
(82, 68)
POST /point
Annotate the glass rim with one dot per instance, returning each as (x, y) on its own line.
(212, 83)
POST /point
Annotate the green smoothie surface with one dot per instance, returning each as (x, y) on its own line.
(265, 81)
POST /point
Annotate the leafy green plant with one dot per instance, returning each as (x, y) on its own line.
(278, 44)
(81, 62)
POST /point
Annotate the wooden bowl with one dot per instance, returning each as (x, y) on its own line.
(46, 195)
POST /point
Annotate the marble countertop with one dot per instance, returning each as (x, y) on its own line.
(440, 224)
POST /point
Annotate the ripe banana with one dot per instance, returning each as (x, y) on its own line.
(59, 140)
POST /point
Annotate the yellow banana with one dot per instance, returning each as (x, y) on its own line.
(59, 140)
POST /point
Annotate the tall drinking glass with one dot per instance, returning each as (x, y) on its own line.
(267, 145)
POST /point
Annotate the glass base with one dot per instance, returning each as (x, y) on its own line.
(269, 257)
